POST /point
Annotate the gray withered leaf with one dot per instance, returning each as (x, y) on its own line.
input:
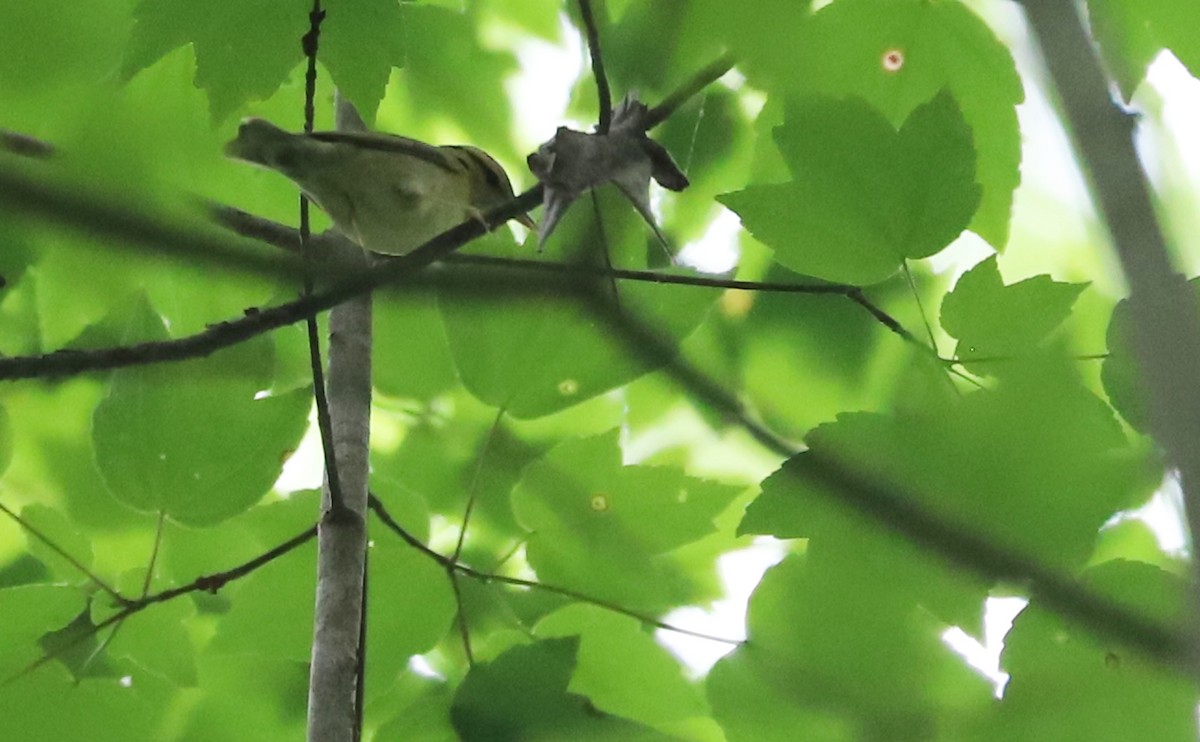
(573, 162)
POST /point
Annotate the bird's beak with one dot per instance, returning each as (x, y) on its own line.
(527, 222)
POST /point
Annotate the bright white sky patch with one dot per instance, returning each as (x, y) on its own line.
(740, 573)
(984, 656)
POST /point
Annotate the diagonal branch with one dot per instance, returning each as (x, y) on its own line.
(256, 321)
(205, 583)
(453, 566)
(898, 511)
(21, 144)
(78, 565)
(1166, 342)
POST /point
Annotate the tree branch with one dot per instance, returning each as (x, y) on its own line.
(206, 583)
(602, 90)
(50, 544)
(1166, 341)
(454, 566)
(898, 511)
(342, 535)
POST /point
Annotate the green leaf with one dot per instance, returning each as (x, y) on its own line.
(992, 320)
(824, 344)
(1067, 684)
(543, 350)
(157, 639)
(35, 36)
(360, 44)
(410, 356)
(1120, 374)
(1126, 40)
(836, 646)
(608, 530)
(411, 607)
(48, 706)
(752, 706)
(1175, 22)
(27, 613)
(1037, 466)
(246, 691)
(522, 695)
(1132, 32)
(6, 439)
(451, 75)
(191, 439)
(64, 534)
(863, 196)
(244, 48)
(841, 51)
(421, 711)
(282, 587)
(621, 669)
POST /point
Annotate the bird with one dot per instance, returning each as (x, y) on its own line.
(388, 193)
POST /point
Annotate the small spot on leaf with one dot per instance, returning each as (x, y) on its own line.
(600, 502)
(893, 60)
(568, 387)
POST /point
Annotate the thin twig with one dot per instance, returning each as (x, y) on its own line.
(27, 146)
(457, 567)
(259, 321)
(702, 79)
(473, 487)
(154, 552)
(1010, 359)
(464, 629)
(206, 583)
(337, 503)
(83, 569)
(605, 252)
(132, 229)
(98, 215)
(677, 279)
(256, 322)
(360, 671)
(593, 41)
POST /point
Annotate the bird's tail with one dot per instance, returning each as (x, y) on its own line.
(263, 143)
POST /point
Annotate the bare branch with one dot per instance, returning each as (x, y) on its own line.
(21, 144)
(898, 511)
(701, 80)
(80, 566)
(1166, 341)
(602, 89)
(207, 583)
(453, 566)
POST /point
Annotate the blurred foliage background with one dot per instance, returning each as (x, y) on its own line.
(907, 147)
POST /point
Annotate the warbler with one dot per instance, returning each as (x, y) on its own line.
(390, 194)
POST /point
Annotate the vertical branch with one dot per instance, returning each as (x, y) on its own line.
(343, 413)
(602, 89)
(1166, 324)
(342, 537)
(310, 43)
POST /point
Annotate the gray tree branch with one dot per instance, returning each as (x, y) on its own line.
(342, 535)
(1166, 343)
